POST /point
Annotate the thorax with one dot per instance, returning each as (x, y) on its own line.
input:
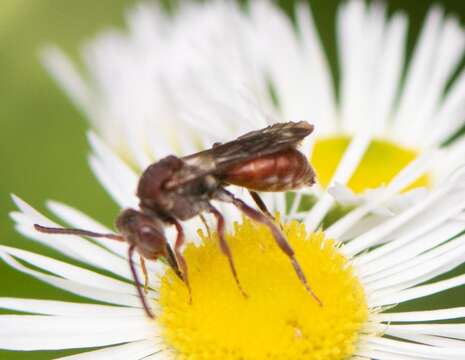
(181, 202)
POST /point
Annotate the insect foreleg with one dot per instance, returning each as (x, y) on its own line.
(282, 242)
(137, 283)
(225, 246)
(146, 274)
(204, 221)
(180, 239)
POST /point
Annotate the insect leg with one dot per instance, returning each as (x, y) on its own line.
(204, 221)
(260, 203)
(137, 283)
(225, 247)
(146, 274)
(282, 242)
(179, 257)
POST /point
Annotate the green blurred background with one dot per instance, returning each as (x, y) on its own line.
(43, 148)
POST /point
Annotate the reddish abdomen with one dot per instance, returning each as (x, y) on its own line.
(281, 171)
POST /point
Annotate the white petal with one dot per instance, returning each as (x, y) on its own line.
(386, 75)
(407, 255)
(322, 98)
(71, 272)
(121, 172)
(136, 138)
(77, 288)
(64, 72)
(35, 332)
(438, 341)
(451, 41)
(72, 246)
(78, 219)
(451, 157)
(424, 222)
(456, 331)
(404, 178)
(132, 351)
(290, 74)
(50, 307)
(162, 355)
(419, 316)
(419, 291)
(223, 79)
(360, 227)
(346, 167)
(415, 350)
(367, 353)
(110, 184)
(428, 266)
(375, 235)
(352, 43)
(449, 118)
(371, 53)
(419, 71)
(344, 195)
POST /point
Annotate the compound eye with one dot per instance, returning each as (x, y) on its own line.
(127, 221)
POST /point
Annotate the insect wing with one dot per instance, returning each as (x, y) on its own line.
(258, 143)
(252, 145)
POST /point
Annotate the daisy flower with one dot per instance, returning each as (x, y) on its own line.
(358, 281)
(212, 71)
(175, 84)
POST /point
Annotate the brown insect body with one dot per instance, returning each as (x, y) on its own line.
(177, 189)
(282, 171)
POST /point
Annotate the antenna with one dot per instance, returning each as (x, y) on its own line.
(78, 232)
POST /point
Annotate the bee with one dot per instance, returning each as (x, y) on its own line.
(175, 189)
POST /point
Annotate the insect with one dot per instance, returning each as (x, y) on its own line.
(176, 189)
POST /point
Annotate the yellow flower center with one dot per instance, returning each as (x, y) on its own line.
(279, 320)
(381, 163)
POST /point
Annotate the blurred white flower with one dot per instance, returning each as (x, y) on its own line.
(212, 71)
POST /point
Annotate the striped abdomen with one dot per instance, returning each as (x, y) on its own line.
(281, 171)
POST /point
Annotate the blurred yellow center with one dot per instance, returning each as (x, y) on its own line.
(381, 163)
(279, 320)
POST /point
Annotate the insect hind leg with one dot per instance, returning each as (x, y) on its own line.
(225, 246)
(261, 204)
(282, 242)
